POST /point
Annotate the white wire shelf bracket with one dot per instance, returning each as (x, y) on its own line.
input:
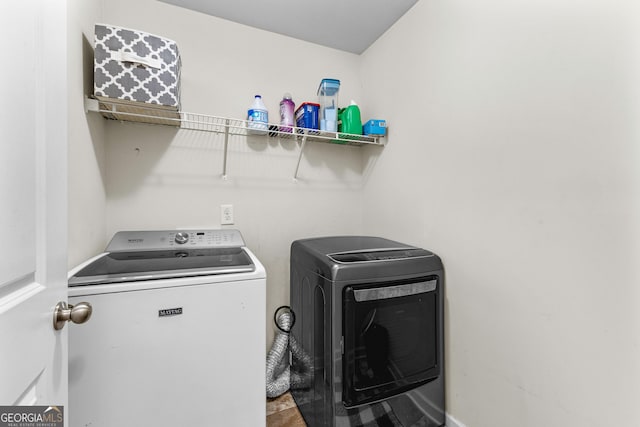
(158, 115)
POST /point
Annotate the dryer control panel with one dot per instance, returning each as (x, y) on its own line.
(126, 241)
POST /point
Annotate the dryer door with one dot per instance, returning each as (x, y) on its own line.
(390, 339)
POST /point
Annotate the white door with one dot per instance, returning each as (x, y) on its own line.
(33, 205)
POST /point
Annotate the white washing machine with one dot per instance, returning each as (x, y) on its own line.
(177, 333)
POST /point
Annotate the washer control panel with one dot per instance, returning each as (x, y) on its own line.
(125, 241)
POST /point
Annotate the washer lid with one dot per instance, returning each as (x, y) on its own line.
(118, 267)
(149, 255)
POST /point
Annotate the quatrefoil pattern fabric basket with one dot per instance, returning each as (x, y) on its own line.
(135, 66)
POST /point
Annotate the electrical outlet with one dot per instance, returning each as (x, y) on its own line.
(226, 214)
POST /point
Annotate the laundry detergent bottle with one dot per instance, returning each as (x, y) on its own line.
(258, 117)
(287, 107)
(349, 119)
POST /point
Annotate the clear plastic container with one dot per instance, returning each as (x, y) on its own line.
(328, 100)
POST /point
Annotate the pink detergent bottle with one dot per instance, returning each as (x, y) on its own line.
(287, 107)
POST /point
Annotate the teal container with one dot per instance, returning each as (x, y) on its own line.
(375, 127)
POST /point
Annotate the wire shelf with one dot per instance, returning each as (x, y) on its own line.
(145, 113)
(158, 115)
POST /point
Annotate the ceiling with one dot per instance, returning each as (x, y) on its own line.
(348, 25)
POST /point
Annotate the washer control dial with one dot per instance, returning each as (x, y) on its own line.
(182, 238)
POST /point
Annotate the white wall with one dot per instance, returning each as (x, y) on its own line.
(513, 153)
(86, 155)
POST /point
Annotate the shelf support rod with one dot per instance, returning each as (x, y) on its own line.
(91, 104)
(304, 142)
(226, 146)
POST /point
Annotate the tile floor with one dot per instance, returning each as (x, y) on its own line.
(283, 412)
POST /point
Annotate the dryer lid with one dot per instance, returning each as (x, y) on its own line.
(379, 255)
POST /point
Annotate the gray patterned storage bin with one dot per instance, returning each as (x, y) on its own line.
(138, 72)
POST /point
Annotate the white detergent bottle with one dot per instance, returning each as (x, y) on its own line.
(258, 117)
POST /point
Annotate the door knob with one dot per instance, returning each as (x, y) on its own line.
(78, 313)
